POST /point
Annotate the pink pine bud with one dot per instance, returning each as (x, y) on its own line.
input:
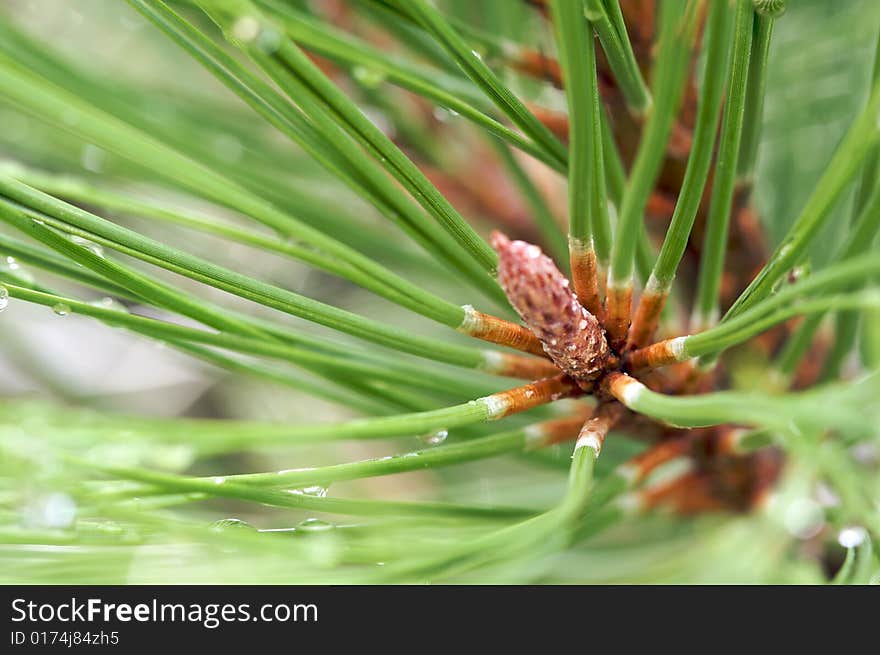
(571, 335)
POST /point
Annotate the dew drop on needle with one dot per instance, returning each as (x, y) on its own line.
(852, 537)
(54, 511)
(91, 246)
(313, 525)
(231, 524)
(435, 438)
(109, 303)
(315, 490)
(368, 77)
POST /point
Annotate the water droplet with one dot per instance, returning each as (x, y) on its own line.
(315, 490)
(553, 342)
(797, 273)
(61, 309)
(109, 303)
(826, 496)
(11, 267)
(230, 524)
(565, 283)
(582, 325)
(92, 158)
(852, 536)
(382, 122)
(435, 438)
(367, 77)
(268, 40)
(90, 245)
(314, 525)
(444, 115)
(54, 511)
(219, 479)
(172, 457)
(866, 453)
(533, 252)
(246, 28)
(4, 298)
(804, 518)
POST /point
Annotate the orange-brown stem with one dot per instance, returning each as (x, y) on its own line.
(520, 399)
(694, 379)
(657, 354)
(555, 121)
(619, 386)
(538, 65)
(497, 330)
(646, 319)
(727, 439)
(481, 186)
(687, 494)
(731, 483)
(660, 205)
(557, 430)
(585, 277)
(644, 463)
(678, 379)
(618, 308)
(596, 428)
(808, 371)
(521, 366)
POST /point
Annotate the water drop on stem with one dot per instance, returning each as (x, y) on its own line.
(435, 438)
(369, 78)
(230, 524)
(313, 525)
(315, 490)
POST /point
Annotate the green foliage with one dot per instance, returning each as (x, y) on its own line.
(265, 191)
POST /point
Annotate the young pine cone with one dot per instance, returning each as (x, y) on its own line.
(571, 335)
